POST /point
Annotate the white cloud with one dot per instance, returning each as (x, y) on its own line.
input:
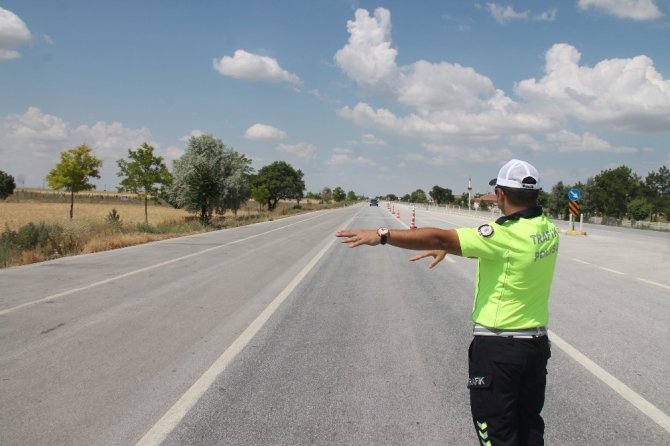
(449, 154)
(301, 150)
(253, 67)
(30, 143)
(262, 131)
(525, 140)
(430, 87)
(194, 134)
(567, 141)
(628, 94)
(13, 34)
(372, 140)
(173, 153)
(448, 123)
(504, 14)
(111, 140)
(368, 57)
(625, 9)
(339, 158)
(369, 60)
(547, 16)
(449, 99)
(35, 128)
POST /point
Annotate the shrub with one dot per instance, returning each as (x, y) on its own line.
(114, 218)
(27, 237)
(8, 247)
(147, 228)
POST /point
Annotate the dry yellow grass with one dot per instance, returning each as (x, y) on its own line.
(13, 215)
(90, 232)
(114, 241)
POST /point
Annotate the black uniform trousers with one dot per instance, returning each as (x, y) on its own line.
(508, 378)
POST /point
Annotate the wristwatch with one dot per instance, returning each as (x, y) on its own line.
(383, 235)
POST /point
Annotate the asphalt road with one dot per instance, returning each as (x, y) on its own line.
(277, 334)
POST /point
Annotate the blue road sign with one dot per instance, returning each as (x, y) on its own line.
(574, 194)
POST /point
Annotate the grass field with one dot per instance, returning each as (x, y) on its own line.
(35, 224)
(13, 215)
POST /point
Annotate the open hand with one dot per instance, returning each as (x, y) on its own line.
(357, 237)
(438, 256)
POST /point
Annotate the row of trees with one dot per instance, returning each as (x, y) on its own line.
(212, 178)
(338, 195)
(439, 195)
(615, 193)
(209, 178)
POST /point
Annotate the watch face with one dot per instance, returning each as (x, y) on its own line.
(382, 231)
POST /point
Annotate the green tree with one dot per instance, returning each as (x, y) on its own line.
(557, 199)
(282, 182)
(209, 177)
(237, 172)
(73, 171)
(351, 196)
(657, 191)
(639, 209)
(326, 195)
(418, 196)
(260, 194)
(542, 199)
(612, 189)
(406, 198)
(441, 195)
(392, 197)
(7, 185)
(339, 194)
(145, 175)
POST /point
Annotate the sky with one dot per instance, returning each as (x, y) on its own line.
(375, 97)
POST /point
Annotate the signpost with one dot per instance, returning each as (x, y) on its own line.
(573, 206)
(574, 194)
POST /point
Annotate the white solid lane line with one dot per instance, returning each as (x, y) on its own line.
(653, 283)
(178, 411)
(141, 270)
(611, 270)
(626, 392)
(650, 282)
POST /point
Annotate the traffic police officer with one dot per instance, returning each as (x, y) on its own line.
(510, 349)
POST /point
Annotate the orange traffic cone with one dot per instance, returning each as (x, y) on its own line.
(398, 214)
(413, 219)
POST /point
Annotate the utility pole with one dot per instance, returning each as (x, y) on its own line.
(469, 192)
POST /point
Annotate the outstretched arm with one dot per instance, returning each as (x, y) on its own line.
(418, 239)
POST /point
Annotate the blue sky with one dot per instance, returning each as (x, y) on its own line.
(376, 97)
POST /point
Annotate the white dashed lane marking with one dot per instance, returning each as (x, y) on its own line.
(649, 282)
(611, 270)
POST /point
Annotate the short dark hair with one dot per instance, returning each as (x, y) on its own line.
(521, 197)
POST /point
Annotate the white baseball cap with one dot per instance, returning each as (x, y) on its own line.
(517, 174)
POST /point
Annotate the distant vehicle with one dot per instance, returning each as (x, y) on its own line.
(374, 202)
